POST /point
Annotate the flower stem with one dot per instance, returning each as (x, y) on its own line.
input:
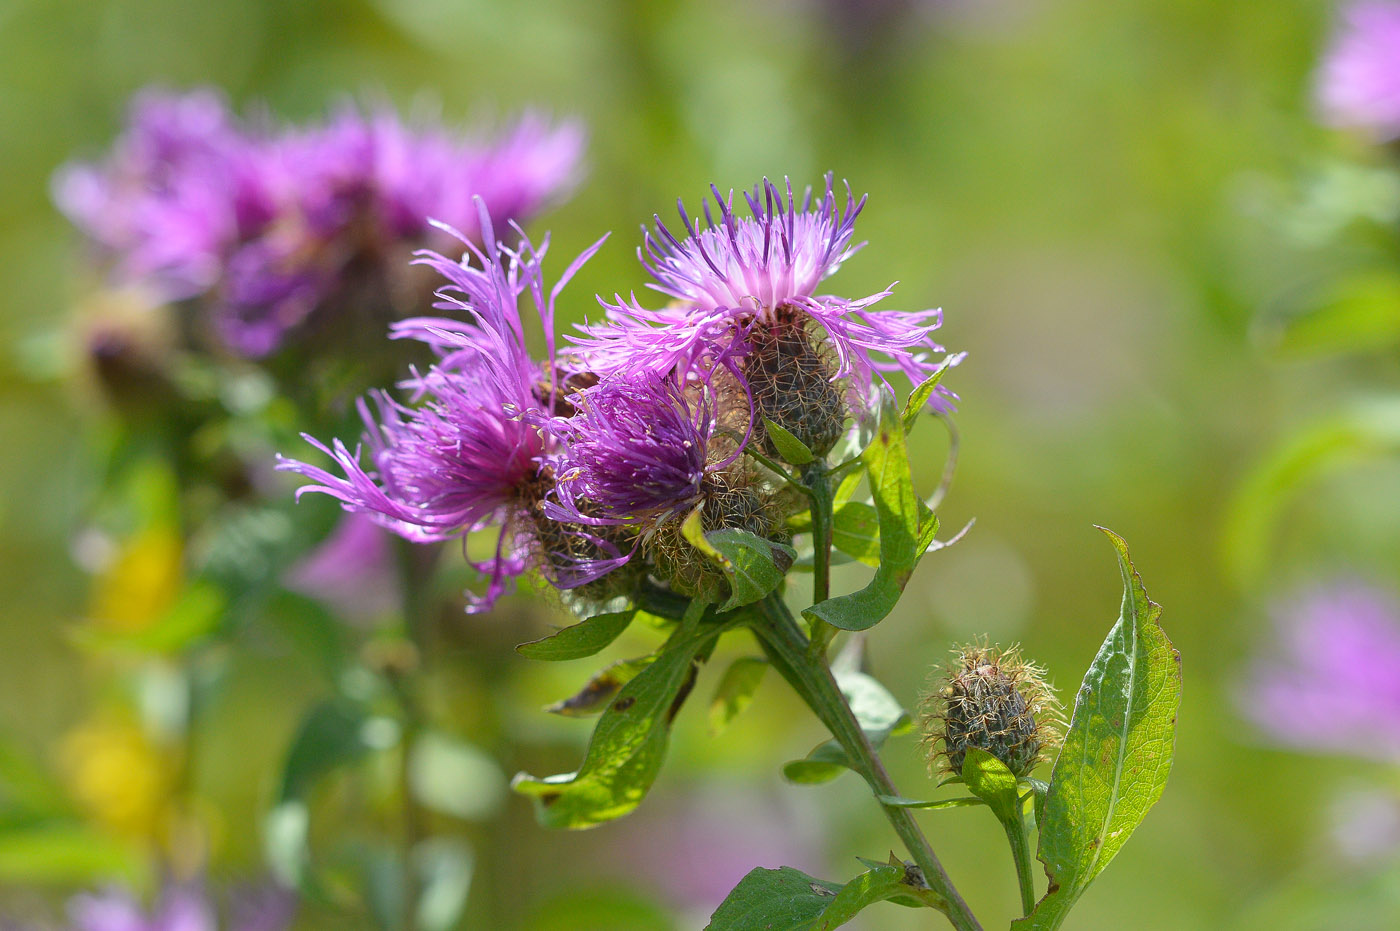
(789, 651)
(1019, 836)
(814, 478)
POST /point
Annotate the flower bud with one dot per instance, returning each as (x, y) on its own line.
(790, 375)
(994, 700)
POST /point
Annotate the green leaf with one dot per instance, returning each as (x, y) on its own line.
(582, 639)
(899, 801)
(900, 527)
(789, 447)
(600, 690)
(919, 397)
(629, 743)
(1116, 755)
(1361, 313)
(879, 713)
(1360, 432)
(331, 735)
(855, 531)
(750, 563)
(988, 778)
(455, 777)
(787, 899)
(735, 691)
(65, 853)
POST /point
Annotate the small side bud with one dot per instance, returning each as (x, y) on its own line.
(994, 700)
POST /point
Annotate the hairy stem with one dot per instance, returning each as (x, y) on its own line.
(789, 651)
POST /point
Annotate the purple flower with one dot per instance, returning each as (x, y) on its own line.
(352, 571)
(182, 908)
(263, 224)
(471, 454)
(1332, 681)
(734, 274)
(635, 451)
(1358, 83)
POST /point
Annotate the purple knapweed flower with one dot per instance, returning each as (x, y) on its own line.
(733, 277)
(473, 453)
(268, 225)
(182, 908)
(1332, 681)
(1358, 83)
(636, 451)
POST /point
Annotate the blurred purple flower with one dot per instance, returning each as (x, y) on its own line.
(352, 571)
(182, 908)
(261, 222)
(472, 456)
(732, 274)
(1332, 682)
(1358, 83)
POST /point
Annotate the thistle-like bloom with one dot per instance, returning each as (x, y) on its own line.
(266, 226)
(734, 277)
(1358, 83)
(1331, 683)
(472, 454)
(635, 452)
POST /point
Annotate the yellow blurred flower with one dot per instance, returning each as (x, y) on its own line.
(119, 777)
(142, 582)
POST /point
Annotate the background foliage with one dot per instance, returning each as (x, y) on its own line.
(1115, 203)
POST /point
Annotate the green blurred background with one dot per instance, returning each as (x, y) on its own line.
(1097, 193)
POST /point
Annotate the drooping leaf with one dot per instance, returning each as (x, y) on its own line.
(901, 530)
(787, 899)
(629, 742)
(752, 565)
(735, 690)
(1116, 754)
(580, 640)
(600, 690)
(789, 447)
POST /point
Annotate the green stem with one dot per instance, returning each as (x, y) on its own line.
(814, 478)
(789, 651)
(1020, 838)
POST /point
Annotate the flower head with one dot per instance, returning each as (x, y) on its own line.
(265, 224)
(734, 275)
(472, 453)
(636, 451)
(1331, 683)
(1358, 83)
(994, 700)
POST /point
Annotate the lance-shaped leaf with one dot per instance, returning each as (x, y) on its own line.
(855, 531)
(598, 692)
(580, 640)
(901, 530)
(752, 565)
(1116, 755)
(918, 398)
(629, 743)
(788, 446)
(880, 714)
(787, 899)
